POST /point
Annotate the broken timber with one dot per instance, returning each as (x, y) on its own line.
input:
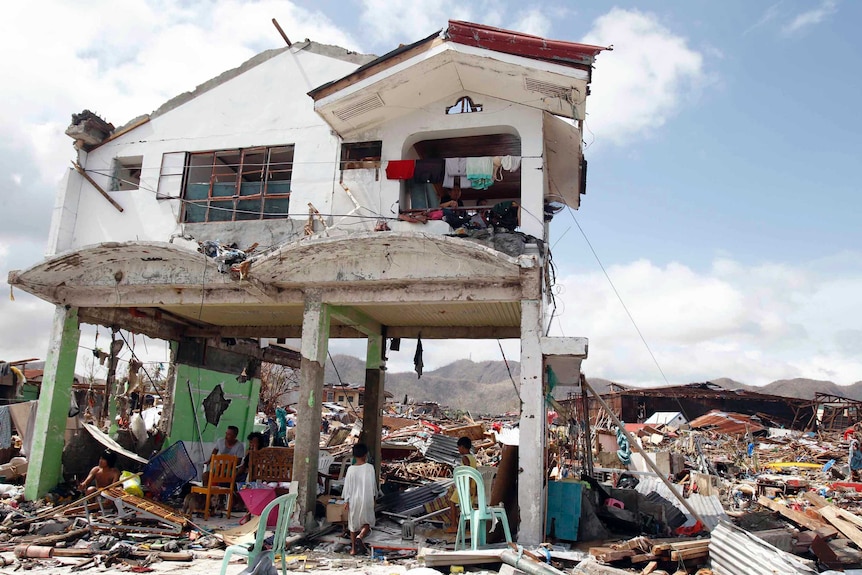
(93, 183)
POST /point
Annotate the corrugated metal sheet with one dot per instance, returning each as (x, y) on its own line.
(726, 422)
(708, 507)
(410, 499)
(734, 551)
(443, 449)
(674, 517)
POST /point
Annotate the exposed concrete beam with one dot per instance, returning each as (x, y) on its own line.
(355, 318)
(265, 292)
(252, 349)
(404, 292)
(147, 295)
(269, 331)
(148, 323)
(350, 332)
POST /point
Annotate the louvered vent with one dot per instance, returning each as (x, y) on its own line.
(548, 89)
(359, 108)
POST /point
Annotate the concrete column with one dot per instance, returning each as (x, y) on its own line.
(531, 455)
(372, 420)
(315, 339)
(47, 450)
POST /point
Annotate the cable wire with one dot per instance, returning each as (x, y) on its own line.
(619, 297)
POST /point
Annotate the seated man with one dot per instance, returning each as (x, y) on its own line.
(104, 474)
(227, 445)
(455, 218)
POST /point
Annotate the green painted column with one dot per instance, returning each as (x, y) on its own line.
(372, 419)
(48, 440)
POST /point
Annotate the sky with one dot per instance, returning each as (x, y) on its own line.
(719, 233)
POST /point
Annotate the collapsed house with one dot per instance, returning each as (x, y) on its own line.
(261, 205)
(637, 405)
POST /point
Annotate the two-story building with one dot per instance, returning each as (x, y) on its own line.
(334, 164)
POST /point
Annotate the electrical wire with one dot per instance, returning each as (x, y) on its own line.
(619, 298)
(342, 384)
(512, 379)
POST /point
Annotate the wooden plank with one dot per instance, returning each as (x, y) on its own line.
(688, 554)
(644, 557)
(613, 555)
(650, 567)
(795, 516)
(814, 499)
(848, 528)
(93, 183)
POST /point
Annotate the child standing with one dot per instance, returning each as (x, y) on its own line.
(360, 489)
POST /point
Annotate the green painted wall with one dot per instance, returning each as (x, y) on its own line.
(240, 412)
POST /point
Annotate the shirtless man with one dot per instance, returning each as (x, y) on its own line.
(103, 474)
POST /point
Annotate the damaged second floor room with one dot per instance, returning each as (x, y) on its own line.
(313, 138)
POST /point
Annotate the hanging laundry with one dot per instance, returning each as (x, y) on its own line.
(456, 167)
(400, 169)
(511, 163)
(134, 380)
(480, 172)
(20, 380)
(429, 171)
(4, 369)
(417, 358)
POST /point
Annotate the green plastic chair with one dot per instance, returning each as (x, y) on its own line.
(464, 476)
(285, 505)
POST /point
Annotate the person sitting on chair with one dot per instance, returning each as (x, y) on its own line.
(104, 474)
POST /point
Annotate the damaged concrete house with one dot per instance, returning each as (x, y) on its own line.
(297, 197)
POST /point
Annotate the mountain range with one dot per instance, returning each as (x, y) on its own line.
(487, 388)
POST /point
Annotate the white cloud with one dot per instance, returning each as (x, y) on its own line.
(768, 16)
(811, 17)
(755, 324)
(533, 21)
(392, 21)
(639, 86)
(119, 60)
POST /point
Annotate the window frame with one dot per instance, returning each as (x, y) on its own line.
(239, 167)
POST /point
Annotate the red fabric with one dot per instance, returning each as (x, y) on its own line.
(400, 169)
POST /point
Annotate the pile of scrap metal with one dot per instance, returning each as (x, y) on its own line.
(768, 500)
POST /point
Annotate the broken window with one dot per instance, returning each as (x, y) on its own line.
(464, 105)
(236, 185)
(359, 155)
(126, 173)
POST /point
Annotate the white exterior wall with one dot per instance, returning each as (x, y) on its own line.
(266, 105)
(430, 123)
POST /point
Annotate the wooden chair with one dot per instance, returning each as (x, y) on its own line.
(285, 505)
(477, 512)
(271, 464)
(222, 471)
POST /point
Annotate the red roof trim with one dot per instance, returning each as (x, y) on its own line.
(520, 44)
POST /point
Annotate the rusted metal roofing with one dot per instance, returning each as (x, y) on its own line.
(520, 44)
(727, 423)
